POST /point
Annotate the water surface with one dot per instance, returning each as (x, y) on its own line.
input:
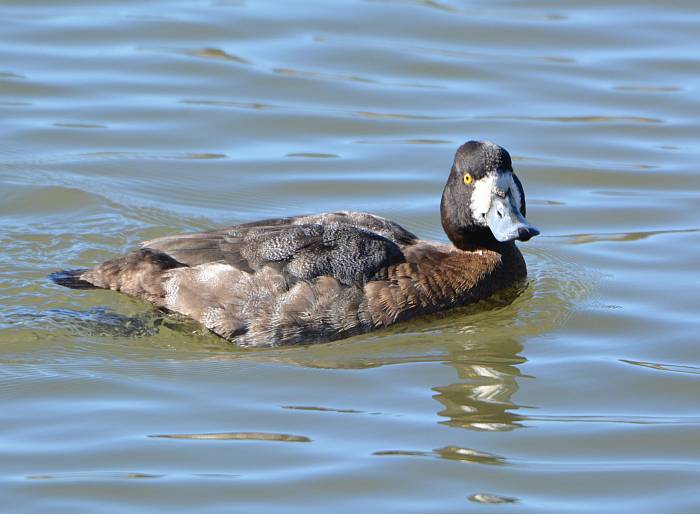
(124, 122)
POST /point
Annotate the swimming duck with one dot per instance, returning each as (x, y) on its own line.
(328, 276)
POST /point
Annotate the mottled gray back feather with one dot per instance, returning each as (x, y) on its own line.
(349, 246)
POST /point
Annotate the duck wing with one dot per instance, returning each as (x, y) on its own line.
(351, 247)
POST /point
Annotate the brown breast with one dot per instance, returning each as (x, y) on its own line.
(437, 277)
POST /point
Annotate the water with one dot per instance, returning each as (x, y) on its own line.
(124, 122)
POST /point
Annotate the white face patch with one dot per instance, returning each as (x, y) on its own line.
(494, 183)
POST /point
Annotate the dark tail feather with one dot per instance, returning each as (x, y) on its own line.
(71, 278)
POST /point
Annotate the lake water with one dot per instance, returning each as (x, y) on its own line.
(127, 121)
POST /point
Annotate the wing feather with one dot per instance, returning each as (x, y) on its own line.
(352, 247)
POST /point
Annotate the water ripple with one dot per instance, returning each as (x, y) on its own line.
(455, 453)
(128, 121)
(239, 436)
(675, 368)
(94, 475)
(577, 119)
(491, 498)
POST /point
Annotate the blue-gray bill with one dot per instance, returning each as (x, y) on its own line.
(507, 223)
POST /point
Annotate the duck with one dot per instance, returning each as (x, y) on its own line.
(323, 277)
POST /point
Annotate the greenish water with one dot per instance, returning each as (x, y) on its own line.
(126, 121)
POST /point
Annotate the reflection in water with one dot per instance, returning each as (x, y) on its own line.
(96, 321)
(207, 53)
(482, 399)
(486, 364)
(676, 368)
(469, 455)
(485, 361)
(325, 409)
(215, 53)
(456, 453)
(239, 436)
(491, 498)
(575, 239)
(481, 342)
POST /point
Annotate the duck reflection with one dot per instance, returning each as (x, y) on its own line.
(481, 343)
(486, 365)
(473, 341)
(482, 399)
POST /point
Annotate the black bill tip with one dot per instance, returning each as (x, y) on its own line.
(527, 233)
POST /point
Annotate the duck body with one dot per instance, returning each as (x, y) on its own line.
(328, 276)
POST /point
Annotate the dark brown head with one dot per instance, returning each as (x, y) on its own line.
(483, 203)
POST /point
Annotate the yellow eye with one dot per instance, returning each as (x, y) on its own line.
(468, 179)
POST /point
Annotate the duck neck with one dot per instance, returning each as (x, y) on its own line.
(510, 257)
(500, 248)
(471, 238)
(471, 241)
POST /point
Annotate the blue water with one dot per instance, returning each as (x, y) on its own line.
(121, 123)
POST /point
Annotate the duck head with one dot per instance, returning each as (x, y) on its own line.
(483, 203)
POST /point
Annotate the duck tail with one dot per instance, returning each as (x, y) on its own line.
(71, 278)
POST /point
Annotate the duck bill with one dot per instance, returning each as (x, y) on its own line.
(506, 222)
